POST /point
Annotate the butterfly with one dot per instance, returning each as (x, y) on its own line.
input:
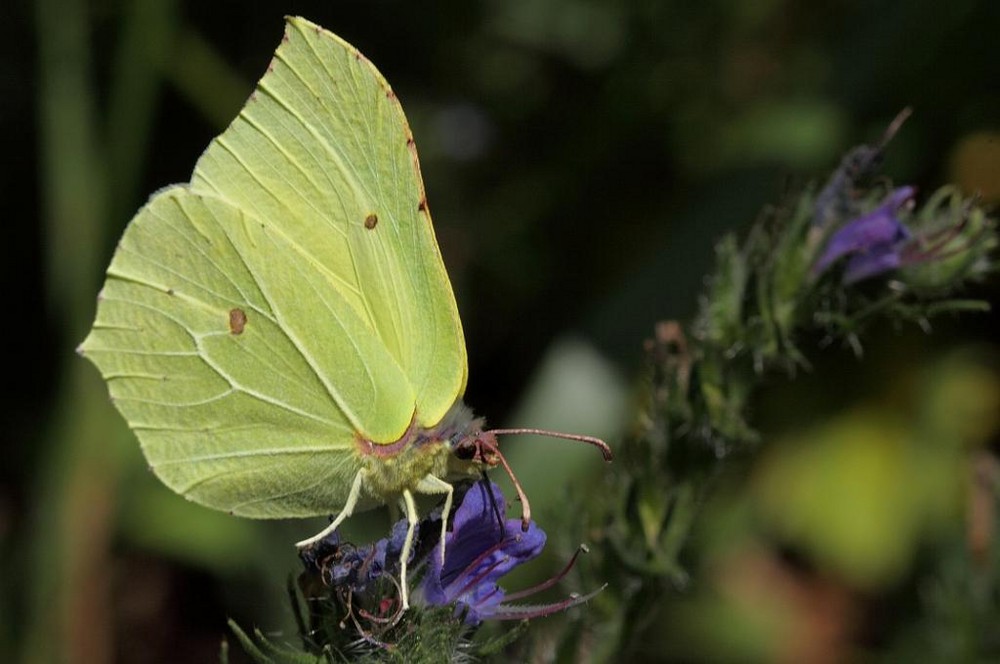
(280, 333)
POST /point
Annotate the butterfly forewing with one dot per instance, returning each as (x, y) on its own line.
(323, 151)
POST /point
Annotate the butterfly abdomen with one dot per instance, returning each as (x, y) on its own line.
(388, 475)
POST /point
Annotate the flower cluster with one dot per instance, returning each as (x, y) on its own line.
(343, 565)
(481, 547)
(939, 248)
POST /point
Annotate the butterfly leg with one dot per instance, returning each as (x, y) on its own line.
(410, 507)
(348, 509)
(434, 484)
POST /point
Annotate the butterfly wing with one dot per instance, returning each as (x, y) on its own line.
(291, 299)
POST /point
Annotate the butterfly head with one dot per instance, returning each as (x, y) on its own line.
(479, 449)
(474, 450)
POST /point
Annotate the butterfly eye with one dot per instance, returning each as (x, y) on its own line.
(467, 450)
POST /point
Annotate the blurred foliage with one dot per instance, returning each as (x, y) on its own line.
(581, 157)
(850, 537)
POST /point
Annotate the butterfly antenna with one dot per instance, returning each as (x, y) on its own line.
(590, 440)
(525, 505)
(490, 444)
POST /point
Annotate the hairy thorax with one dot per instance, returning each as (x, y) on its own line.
(392, 468)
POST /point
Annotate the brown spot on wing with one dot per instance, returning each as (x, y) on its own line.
(371, 221)
(237, 321)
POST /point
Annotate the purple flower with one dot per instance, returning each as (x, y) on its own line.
(481, 547)
(348, 566)
(873, 243)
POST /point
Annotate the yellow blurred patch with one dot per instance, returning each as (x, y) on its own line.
(975, 165)
(859, 493)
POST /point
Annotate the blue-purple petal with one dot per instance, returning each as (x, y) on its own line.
(871, 263)
(357, 567)
(478, 552)
(874, 233)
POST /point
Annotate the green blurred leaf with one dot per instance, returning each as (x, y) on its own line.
(858, 494)
(153, 518)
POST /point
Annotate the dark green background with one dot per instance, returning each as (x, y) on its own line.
(580, 159)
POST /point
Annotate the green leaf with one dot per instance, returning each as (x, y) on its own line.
(263, 651)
